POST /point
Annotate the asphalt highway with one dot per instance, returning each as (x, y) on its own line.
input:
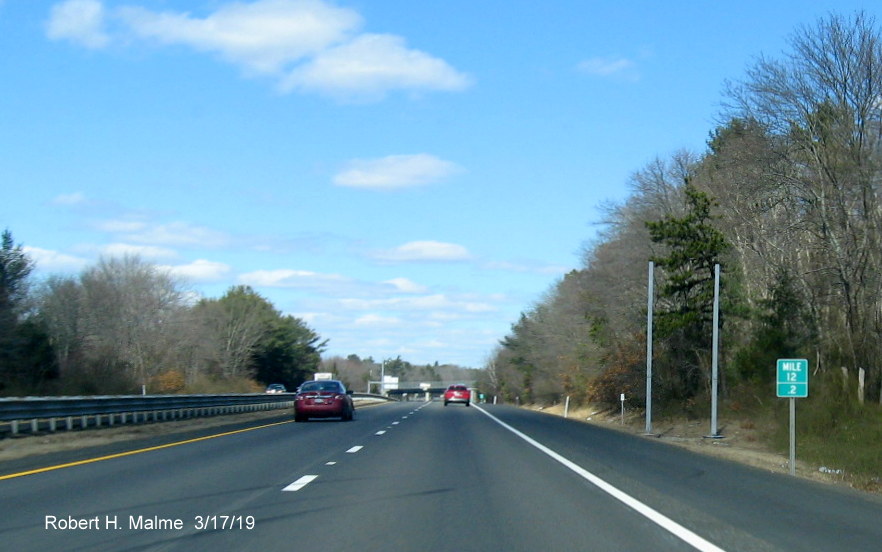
(420, 476)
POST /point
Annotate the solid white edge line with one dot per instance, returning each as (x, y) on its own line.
(300, 483)
(656, 517)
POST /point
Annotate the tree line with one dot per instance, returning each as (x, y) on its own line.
(785, 198)
(126, 326)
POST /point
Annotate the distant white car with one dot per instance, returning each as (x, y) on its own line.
(276, 388)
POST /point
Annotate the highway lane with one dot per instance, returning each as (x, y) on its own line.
(411, 476)
(241, 474)
(452, 479)
(741, 507)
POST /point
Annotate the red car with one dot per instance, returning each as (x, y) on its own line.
(323, 399)
(457, 394)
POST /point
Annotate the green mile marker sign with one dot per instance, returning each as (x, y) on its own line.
(792, 378)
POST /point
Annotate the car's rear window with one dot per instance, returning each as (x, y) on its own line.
(320, 386)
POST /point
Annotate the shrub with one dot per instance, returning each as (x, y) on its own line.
(169, 382)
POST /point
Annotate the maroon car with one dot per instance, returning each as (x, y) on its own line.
(323, 399)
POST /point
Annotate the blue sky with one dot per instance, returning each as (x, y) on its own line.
(406, 176)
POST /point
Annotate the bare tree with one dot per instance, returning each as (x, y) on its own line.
(233, 326)
(60, 303)
(822, 105)
(117, 326)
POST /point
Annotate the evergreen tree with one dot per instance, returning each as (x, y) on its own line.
(692, 246)
(25, 356)
(15, 267)
(783, 330)
(289, 353)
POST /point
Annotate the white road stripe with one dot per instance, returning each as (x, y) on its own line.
(300, 483)
(656, 517)
(355, 449)
(395, 423)
(330, 463)
(382, 431)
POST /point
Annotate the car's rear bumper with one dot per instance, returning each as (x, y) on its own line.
(333, 410)
(457, 400)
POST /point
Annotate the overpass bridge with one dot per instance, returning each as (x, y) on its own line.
(398, 389)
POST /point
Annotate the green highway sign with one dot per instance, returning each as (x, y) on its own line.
(792, 378)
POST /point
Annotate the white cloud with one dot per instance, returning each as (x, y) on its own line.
(287, 278)
(434, 344)
(318, 317)
(372, 64)
(116, 226)
(609, 66)
(145, 251)
(445, 317)
(263, 36)
(374, 320)
(200, 270)
(80, 21)
(76, 198)
(425, 251)
(53, 261)
(404, 285)
(140, 230)
(527, 267)
(395, 171)
(175, 233)
(434, 302)
(306, 45)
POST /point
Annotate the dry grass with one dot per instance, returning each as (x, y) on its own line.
(745, 440)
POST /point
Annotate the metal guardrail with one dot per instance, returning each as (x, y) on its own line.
(369, 396)
(35, 413)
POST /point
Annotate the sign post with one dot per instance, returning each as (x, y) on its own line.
(649, 298)
(715, 434)
(792, 383)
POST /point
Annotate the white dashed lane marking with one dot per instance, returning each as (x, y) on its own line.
(300, 483)
(307, 479)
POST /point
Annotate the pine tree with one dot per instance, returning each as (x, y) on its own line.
(17, 361)
(693, 247)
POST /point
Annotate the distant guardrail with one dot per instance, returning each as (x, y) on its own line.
(37, 413)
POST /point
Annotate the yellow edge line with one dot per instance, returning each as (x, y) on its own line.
(138, 451)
